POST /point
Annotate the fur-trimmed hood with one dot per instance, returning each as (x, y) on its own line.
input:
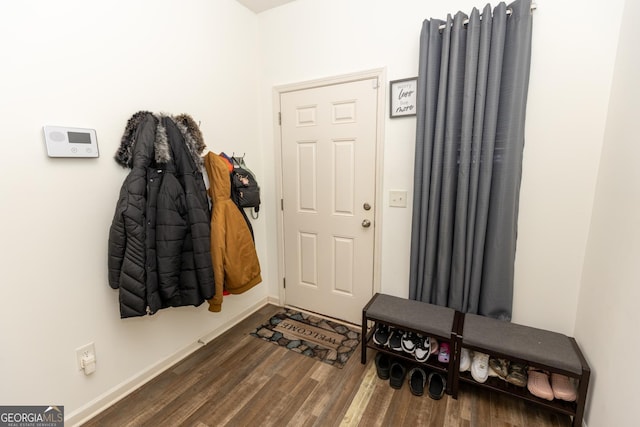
(159, 149)
(192, 136)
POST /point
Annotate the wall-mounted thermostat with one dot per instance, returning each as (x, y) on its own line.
(70, 142)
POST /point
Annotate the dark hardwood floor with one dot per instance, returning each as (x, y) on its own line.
(239, 380)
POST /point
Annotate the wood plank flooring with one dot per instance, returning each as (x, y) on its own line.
(239, 380)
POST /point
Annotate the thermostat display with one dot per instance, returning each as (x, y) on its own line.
(70, 142)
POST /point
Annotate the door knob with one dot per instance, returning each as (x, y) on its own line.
(366, 223)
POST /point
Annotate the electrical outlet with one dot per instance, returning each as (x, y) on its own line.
(398, 198)
(85, 350)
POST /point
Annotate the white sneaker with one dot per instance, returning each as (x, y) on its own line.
(465, 359)
(408, 342)
(423, 349)
(480, 367)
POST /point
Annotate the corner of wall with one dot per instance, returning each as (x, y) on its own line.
(120, 391)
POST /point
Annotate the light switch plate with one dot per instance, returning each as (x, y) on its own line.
(398, 198)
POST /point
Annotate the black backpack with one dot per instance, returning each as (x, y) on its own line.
(245, 191)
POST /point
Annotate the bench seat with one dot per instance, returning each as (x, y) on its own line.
(535, 346)
(416, 315)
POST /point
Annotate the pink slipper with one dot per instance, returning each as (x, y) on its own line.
(443, 355)
(562, 388)
(538, 384)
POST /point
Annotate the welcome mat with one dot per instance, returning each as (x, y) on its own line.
(322, 339)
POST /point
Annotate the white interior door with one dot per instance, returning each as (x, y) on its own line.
(329, 178)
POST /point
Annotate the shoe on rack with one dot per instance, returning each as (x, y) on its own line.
(563, 388)
(500, 367)
(423, 349)
(433, 343)
(417, 381)
(443, 354)
(480, 367)
(493, 373)
(395, 340)
(397, 374)
(465, 359)
(518, 375)
(538, 384)
(381, 335)
(408, 342)
(383, 365)
(437, 385)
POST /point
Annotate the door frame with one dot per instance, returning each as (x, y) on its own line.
(380, 74)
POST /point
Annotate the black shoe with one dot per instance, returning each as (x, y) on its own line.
(417, 381)
(397, 374)
(381, 335)
(395, 340)
(383, 365)
(437, 384)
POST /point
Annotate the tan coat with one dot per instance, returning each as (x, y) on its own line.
(236, 268)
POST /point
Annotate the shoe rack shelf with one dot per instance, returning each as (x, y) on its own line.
(542, 349)
(431, 363)
(414, 316)
(537, 348)
(501, 386)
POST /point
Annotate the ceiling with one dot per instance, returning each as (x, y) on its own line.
(261, 5)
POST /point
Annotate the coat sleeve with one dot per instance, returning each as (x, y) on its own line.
(117, 241)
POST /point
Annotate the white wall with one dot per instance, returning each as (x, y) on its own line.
(219, 62)
(608, 306)
(94, 64)
(574, 46)
(573, 58)
(568, 96)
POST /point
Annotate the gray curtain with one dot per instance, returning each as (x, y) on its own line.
(472, 92)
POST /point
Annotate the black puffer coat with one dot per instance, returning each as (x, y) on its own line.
(159, 254)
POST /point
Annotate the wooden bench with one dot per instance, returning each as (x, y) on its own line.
(549, 351)
(534, 347)
(426, 319)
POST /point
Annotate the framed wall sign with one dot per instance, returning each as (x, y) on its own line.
(403, 97)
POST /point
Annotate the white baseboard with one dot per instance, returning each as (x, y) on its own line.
(102, 402)
(274, 301)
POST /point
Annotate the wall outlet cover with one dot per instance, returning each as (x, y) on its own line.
(84, 351)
